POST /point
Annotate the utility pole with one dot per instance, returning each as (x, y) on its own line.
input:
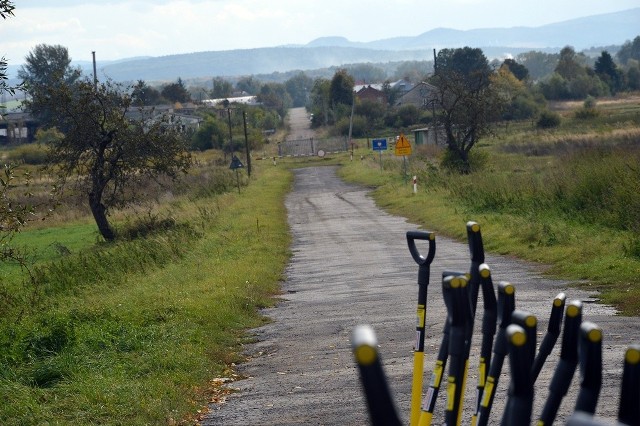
(246, 142)
(95, 74)
(230, 132)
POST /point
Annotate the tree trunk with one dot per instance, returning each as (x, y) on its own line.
(99, 212)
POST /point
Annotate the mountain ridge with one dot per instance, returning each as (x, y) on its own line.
(582, 33)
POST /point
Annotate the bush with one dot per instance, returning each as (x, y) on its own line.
(585, 113)
(34, 154)
(548, 120)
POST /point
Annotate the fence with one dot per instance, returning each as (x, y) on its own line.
(312, 146)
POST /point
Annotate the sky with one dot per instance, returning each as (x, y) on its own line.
(119, 29)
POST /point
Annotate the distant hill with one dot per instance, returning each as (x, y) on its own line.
(583, 33)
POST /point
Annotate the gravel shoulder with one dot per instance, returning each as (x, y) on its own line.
(351, 266)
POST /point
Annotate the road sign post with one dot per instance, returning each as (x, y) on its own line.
(379, 145)
(235, 165)
(403, 148)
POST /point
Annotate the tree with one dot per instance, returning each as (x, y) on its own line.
(275, 96)
(320, 94)
(466, 100)
(633, 78)
(211, 134)
(176, 92)
(518, 99)
(629, 50)
(6, 10)
(248, 85)
(413, 71)
(367, 73)
(392, 93)
(16, 208)
(568, 66)
(298, 88)
(108, 152)
(608, 72)
(145, 95)
(341, 89)
(221, 88)
(539, 64)
(46, 67)
(518, 70)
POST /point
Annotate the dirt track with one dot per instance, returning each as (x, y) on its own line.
(351, 266)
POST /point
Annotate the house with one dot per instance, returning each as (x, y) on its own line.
(370, 93)
(420, 95)
(17, 127)
(245, 100)
(430, 136)
(169, 117)
(376, 91)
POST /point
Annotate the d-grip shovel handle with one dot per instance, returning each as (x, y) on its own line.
(412, 236)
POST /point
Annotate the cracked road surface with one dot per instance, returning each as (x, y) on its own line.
(351, 266)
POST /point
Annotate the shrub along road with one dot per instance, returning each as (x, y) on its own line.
(351, 266)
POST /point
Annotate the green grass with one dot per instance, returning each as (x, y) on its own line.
(138, 339)
(576, 211)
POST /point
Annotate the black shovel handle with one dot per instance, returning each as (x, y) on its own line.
(565, 368)
(590, 356)
(412, 236)
(629, 409)
(474, 236)
(382, 410)
(520, 400)
(553, 332)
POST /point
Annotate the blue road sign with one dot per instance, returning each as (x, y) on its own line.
(379, 144)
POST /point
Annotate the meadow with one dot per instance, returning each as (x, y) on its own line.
(143, 331)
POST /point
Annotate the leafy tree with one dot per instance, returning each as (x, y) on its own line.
(608, 72)
(176, 92)
(108, 152)
(45, 68)
(211, 134)
(392, 93)
(413, 71)
(299, 87)
(569, 66)
(518, 70)
(407, 115)
(145, 95)
(539, 64)
(519, 101)
(633, 78)
(6, 10)
(467, 101)
(629, 50)
(275, 96)
(249, 85)
(341, 89)
(16, 208)
(556, 87)
(221, 88)
(320, 102)
(548, 119)
(372, 111)
(367, 73)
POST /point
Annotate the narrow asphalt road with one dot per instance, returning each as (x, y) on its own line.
(351, 266)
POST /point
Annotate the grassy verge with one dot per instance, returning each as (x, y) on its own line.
(575, 210)
(138, 334)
